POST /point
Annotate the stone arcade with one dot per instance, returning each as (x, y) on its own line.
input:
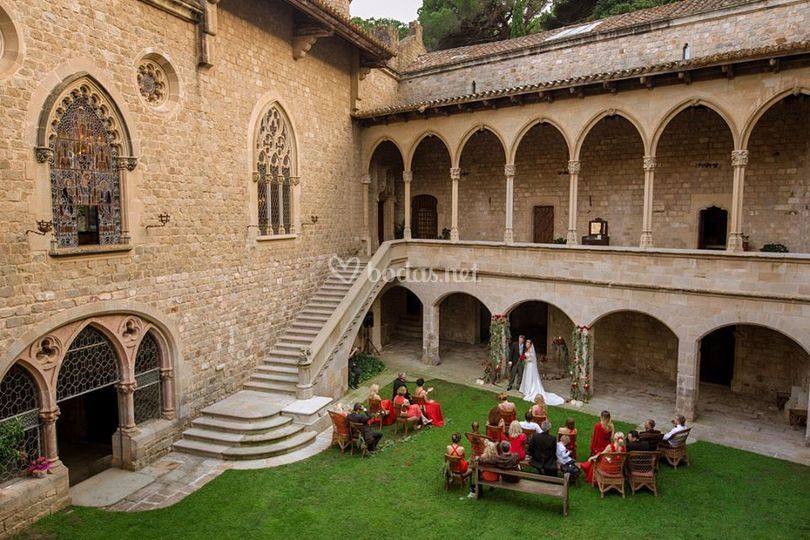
(177, 175)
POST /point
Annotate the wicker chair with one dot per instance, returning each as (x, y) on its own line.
(653, 439)
(376, 411)
(508, 417)
(450, 476)
(357, 439)
(402, 418)
(528, 432)
(494, 433)
(608, 472)
(340, 431)
(640, 468)
(674, 450)
(539, 419)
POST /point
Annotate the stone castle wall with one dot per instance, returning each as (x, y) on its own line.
(751, 26)
(228, 295)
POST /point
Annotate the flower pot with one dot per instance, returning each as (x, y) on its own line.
(39, 474)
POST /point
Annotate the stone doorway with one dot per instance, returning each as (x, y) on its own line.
(717, 357)
(543, 224)
(713, 228)
(531, 320)
(425, 218)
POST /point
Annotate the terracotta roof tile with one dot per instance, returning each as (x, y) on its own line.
(618, 22)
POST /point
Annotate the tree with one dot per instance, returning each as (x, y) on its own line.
(372, 23)
(607, 8)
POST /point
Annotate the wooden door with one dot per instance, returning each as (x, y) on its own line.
(543, 224)
(712, 228)
(424, 217)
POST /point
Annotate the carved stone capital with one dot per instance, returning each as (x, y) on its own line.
(739, 158)
(407, 176)
(650, 163)
(455, 173)
(49, 416)
(295, 180)
(44, 154)
(256, 177)
(574, 167)
(126, 162)
(127, 388)
(166, 374)
(509, 170)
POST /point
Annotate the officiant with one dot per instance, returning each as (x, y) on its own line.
(517, 360)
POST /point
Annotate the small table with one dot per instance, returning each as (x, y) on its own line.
(797, 418)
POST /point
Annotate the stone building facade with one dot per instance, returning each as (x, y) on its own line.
(178, 174)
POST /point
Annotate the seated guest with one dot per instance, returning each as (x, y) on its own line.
(504, 460)
(517, 440)
(399, 382)
(539, 407)
(371, 437)
(679, 423)
(386, 411)
(530, 424)
(506, 406)
(414, 411)
(635, 444)
(617, 445)
(649, 427)
(565, 462)
(542, 451)
(432, 408)
(456, 450)
(476, 441)
(494, 416)
(602, 433)
(570, 429)
(374, 392)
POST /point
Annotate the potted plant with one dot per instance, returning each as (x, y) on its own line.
(746, 242)
(39, 467)
(774, 248)
(12, 437)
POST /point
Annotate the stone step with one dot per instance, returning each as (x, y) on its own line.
(242, 439)
(285, 446)
(324, 302)
(284, 369)
(317, 312)
(240, 426)
(246, 406)
(273, 377)
(326, 296)
(336, 285)
(308, 325)
(272, 388)
(283, 356)
(290, 345)
(200, 448)
(299, 340)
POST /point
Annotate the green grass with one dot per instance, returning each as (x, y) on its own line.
(726, 493)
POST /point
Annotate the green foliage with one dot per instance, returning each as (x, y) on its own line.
(775, 248)
(369, 366)
(560, 240)
(607, 8)
(725, 493)
(372, 23)
(12, 435)
(399, 231)
(445, 234)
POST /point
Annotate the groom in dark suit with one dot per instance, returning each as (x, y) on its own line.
(515, 362)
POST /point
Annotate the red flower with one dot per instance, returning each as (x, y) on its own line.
(522, 357)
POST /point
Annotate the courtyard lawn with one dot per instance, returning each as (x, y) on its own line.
(398, 493)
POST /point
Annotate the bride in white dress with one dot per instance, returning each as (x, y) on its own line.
(531, 385)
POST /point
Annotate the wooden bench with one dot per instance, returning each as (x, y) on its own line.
(529, 483)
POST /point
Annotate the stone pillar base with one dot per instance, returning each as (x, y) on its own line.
(571, 238)
(454, 234)
(407, 235)
(735, 243)
(647, 239)
(508, 236)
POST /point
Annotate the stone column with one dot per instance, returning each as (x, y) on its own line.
(686, 394)
(127, 392)
(366, 181)
(407, 178)
(167, 394)
(48, 419)
(430, 335)
(508, 234)
(573, 172)
(455, 174)
(649, 179)
(739, 159)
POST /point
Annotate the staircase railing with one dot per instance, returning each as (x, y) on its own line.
(346, 318)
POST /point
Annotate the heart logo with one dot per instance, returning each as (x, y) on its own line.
(345, 270)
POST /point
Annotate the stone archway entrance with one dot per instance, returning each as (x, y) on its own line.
(717, 357)
(88, 402)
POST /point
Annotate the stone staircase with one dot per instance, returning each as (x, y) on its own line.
(265, 419)
(409, 327)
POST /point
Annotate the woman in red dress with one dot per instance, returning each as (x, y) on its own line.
(455, 450)
(432, 408)
(414, 411)
(385, 404)
(517, 440)
(616, 446)
(602, 434)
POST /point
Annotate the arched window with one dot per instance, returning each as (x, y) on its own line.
(90, 364)
(19, 423)
(275, 173)
(148, 395)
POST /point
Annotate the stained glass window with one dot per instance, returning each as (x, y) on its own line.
(85, 185)
(148, 395)
(274, 167)
(19, 421)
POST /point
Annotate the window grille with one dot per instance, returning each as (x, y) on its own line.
(148, 393)
(90, 364)
(19, 403)
(274, 168)
(85, 185)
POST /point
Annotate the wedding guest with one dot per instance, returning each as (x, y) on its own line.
(570, 429)
(414, 411)
(679, 423)
(399, 382)
(635, 444)
(371, 437)
(539, 407)
(506, 408)
(649, 427)
(476, 441)
(542, 451)
(456, 450)
(517, 440)
(529, 423)
(517, 361)
(432, 408)
(617, 445)
(565, 462)
(374, 392)
(494, 416)
(505, 460)
(354, 369)
(602, 433)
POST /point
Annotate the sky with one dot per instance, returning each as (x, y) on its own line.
(401, 10)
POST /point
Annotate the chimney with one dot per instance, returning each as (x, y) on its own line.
(340, 5)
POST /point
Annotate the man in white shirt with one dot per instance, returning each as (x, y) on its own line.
(680, 425)
(529, 424)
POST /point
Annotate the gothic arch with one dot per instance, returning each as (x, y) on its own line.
(583, 135)
(441, 298)
(456, 159)
(376, 145)
(415, 146)
(528, 127)
(684, 105)
(754, 119)
(657, 318)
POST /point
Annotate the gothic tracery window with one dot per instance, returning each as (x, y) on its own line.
(274, 165)
(90, 363)
(85, 183)
(148, 395)
(19, 421)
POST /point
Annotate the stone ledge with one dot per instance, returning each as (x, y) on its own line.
(275, 237)
(89, 250)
